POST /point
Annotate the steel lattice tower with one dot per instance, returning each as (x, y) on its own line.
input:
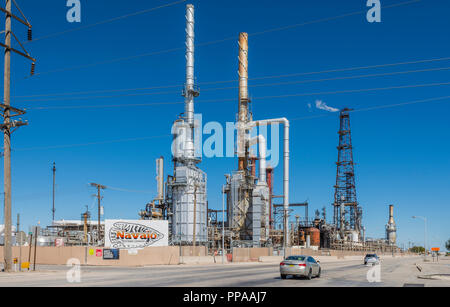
(347, 213)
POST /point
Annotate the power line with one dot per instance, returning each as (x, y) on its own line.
(110, 61)
(434, 99)
(109, 20)
(354, 68)
(220, 40)
(377, 107)
(129, 191)
(357, 90)
(251, 86)
(233, 99)
(401, 104)
(91, 143)
(254, 79)
(329, 18)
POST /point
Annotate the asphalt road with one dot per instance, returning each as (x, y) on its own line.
(394, 272)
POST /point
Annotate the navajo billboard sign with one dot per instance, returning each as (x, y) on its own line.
(136, 233)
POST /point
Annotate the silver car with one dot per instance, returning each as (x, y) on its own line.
(371, 259)
(301, 265)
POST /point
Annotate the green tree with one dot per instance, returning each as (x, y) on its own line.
(417, 249)
(447, 245)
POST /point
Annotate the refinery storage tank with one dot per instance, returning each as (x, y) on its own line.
(309, 236)
(352, 236)
(314, 236)
(189, 206)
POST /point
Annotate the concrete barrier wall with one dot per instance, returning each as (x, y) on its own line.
(60, 255)
(203, 259)
(171, 255)
(199, 251)
(242, 254)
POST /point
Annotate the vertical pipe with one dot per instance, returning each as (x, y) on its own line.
(262, 158)
(160, 178)
(194, 230)
(243, 77)
(253, 159)
(243, 98)
(285, 122)
(261, 140)
(269, 176)
(189, 86)
(286, 183)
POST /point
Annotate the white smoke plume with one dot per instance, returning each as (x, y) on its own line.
(323, 106)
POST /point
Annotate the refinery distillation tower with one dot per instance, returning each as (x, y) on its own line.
(184, 203)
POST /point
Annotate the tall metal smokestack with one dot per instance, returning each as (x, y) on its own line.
(160, 178)
(243, 77)
(190, 91)
(391, 229)
(243, 99)
(391, 214)
(187, 189)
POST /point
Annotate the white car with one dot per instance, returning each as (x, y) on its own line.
(305, 266)
(372, 259)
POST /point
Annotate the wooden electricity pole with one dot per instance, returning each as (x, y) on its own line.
(9, 125)
(99, 187)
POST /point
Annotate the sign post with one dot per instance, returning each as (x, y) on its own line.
(435, 251)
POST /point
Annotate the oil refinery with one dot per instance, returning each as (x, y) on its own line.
(252, 217)
(248, 144)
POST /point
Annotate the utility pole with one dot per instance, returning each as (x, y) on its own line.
(20, 241)
(99, 187)
(29, 249)
(223, 224)
(9, 125)
(35, 246)
(53, 209)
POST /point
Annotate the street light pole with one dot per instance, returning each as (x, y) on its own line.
(223, 225)
(425, 232)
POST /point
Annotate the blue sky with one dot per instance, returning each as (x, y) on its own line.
(402, 154)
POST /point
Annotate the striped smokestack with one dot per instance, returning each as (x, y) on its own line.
(243, 98)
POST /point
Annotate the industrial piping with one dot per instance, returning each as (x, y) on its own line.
(262, 155)
(189, 91)
(245, 124)
(160, 178)
(285, 122)
(243, 99)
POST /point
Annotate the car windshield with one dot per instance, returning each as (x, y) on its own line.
(371, 256)
(298, 258)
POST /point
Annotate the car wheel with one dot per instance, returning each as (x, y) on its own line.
(283, 276)
(320, 272)
(309, 275)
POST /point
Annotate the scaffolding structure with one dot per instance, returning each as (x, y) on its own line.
(347, 212)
